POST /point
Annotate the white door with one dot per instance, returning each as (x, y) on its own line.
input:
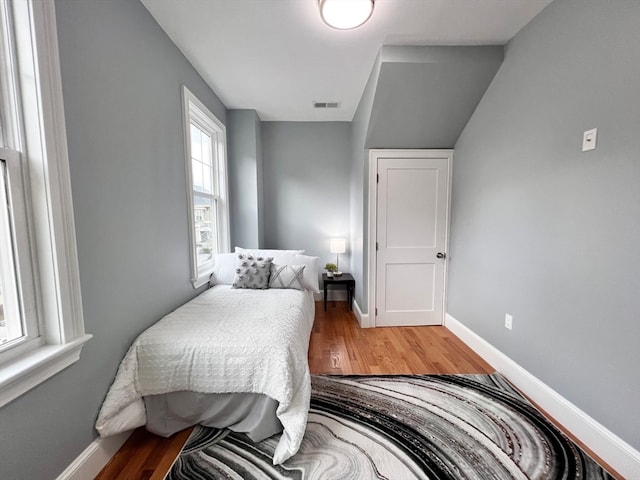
(411, 235)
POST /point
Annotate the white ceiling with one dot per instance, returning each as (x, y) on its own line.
(277, 57)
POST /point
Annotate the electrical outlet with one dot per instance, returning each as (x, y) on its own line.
(508, 321)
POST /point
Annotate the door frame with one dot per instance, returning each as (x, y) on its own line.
(374, 155)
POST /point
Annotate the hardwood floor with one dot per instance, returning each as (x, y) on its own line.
(144, 456)
(337, 346)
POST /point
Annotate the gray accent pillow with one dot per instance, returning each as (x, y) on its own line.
(286, 276)
(252, 272)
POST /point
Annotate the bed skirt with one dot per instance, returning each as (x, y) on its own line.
(251, 413)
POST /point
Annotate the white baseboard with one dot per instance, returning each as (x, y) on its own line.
(93, 459)
(604, 443)
(363, 318)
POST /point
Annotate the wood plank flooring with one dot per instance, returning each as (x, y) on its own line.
(338, 346)
(144, 456)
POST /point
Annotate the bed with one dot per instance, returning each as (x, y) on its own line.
(231, 357)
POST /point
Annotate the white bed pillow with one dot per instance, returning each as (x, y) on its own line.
(224, 269)
(311, 268)
(287, 276)
(262, 252)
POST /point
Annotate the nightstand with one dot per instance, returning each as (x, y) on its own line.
(347, 280)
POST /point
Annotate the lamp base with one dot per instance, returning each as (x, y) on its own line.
(337, 274)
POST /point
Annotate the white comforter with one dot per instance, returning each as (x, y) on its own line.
(223, 341)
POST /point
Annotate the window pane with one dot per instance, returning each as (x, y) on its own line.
(10, 320)
(205, 226)
(207, 157)
(198, 181)
(196, 142)
(207, 178)
(206, 149)
(3, 322)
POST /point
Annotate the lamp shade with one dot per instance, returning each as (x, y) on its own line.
(345, 14)
(338, 245)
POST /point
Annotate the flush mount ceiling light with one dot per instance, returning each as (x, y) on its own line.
(345, 14)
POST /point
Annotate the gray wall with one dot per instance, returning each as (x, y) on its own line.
(121, 80)
(358, 186)
(306, 185)
(550, 234)
(245, 178)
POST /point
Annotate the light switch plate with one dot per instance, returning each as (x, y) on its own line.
(589, 139)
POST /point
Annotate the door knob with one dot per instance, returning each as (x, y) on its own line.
(441, 255)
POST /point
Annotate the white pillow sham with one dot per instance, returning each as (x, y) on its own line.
(224, 269)
(262, 252)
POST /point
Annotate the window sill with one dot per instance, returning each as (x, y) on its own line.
(36, 366)
(203, 279)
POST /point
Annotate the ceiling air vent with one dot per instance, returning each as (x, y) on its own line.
(326, 104)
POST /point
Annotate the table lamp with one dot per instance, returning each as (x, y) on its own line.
(338, 246)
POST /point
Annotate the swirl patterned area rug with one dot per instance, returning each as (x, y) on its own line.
(401, 427)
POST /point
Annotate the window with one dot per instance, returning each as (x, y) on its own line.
(41, 322)
(206, 161)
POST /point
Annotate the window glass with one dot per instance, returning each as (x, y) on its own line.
(196, 172)
(205, 228)
(11, 327)
(207, 178)
(196, 147)
(206, 148)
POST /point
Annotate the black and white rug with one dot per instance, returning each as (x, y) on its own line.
(401, 427)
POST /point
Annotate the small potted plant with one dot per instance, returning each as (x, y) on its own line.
(331, 268)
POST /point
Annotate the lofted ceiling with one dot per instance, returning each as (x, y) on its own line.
(277, 57)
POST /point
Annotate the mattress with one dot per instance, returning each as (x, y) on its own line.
(223, 341)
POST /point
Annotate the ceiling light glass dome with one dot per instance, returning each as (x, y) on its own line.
(345, 14)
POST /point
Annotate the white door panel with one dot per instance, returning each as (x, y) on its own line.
(411, 298)
(412, 207)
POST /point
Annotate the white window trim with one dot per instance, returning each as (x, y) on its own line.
(203, 115)
(58, 274)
